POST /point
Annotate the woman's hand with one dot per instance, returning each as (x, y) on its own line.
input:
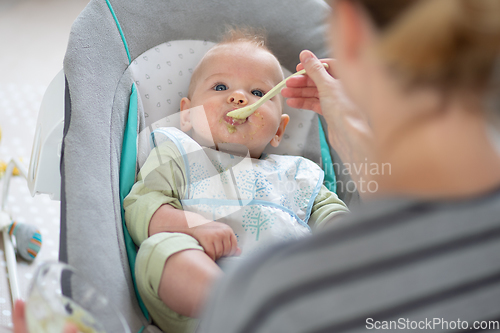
(349, 132)
(304, 93)
(19, 320)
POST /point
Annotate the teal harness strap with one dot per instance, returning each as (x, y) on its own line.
(127, 180)
(330, 180)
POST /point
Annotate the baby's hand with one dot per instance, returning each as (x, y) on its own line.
(217, 239)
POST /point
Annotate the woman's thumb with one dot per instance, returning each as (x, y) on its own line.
(314, 68)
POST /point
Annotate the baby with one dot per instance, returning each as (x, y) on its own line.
(194, 205)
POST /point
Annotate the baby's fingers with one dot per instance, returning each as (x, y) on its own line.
(218, 249)
(235, 250)
(228, 248)
(210, 251)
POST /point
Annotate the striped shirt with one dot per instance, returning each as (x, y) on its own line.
(396, 264)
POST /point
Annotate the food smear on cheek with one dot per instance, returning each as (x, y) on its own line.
(258, 120)
(257, 123)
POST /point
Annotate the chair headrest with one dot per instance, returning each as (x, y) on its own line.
(162, 75)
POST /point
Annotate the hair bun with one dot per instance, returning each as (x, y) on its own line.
(450, 43)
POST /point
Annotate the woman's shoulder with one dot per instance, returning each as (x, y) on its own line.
(371, 258)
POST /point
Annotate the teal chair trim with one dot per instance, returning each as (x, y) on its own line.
(330, 181)
(127, 180)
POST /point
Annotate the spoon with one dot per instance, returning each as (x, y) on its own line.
(245, 112)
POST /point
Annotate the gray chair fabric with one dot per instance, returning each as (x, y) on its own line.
(97, 96)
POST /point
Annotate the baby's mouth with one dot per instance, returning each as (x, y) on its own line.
(233, 121)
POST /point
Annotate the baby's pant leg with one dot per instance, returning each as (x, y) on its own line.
(151, 259)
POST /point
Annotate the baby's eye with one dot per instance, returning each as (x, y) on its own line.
(220, 87)
(258, 93)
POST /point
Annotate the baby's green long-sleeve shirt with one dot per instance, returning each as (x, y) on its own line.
(162, 180)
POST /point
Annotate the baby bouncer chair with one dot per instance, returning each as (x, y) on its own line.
(127, 65)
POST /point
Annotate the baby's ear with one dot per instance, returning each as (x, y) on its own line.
(281, 130)
(185, 115)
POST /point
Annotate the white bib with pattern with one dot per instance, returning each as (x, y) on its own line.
(263, 200)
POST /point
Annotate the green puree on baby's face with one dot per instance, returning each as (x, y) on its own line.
(231, 128)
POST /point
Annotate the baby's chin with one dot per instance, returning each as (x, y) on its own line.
(236, 141)
(240, 148)
(233, 148)
(235, 136)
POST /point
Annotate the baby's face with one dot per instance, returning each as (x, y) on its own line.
(232, 76)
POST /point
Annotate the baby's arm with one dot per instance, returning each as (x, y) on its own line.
(152, 207)
(327, 207)
(161, 181)
(217, 239)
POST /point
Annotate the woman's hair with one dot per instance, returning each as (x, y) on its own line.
(447, 43)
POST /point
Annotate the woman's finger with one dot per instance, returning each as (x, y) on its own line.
(329, 61)
(314, 68)
(70, 328)
(305, 103)
(300, 81)
(18, 318)
(307, 92)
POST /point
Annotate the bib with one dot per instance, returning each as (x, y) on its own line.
(264, 200)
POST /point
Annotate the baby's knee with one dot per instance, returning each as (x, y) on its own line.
(149, 269)
(187, 278)
(156, 250)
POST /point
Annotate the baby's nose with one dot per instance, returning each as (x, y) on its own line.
(237, 97)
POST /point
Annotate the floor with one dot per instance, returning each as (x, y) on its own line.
(33, 35)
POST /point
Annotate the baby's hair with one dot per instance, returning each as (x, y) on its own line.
(232, 35)
(245, 34)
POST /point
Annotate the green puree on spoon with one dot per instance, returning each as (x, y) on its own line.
(245, 112)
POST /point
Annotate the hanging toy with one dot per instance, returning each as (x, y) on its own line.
(28, 240)
(23, 235)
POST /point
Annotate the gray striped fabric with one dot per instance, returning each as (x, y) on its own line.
(395, 264)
